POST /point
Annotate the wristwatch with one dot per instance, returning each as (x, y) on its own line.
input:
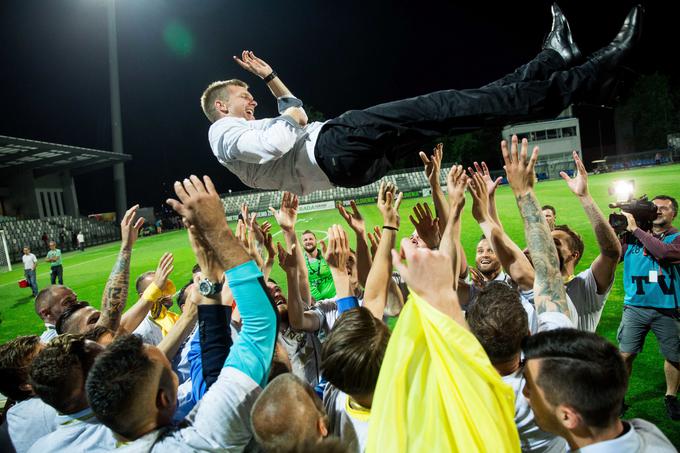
(208, 288)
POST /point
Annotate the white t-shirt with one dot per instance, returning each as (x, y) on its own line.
(29, 260)
(49, 333)
(150, 332)
(76, 432)
(327, 311)
(345, 421)
(272, 153)
(582, 290)
(81, 238)
(304, 352)
(28, 421)
(219, 422)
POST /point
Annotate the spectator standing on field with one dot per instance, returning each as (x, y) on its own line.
(30, 263)
(81, 241)
(56, 269)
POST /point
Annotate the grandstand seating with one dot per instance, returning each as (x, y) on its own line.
(29, 232)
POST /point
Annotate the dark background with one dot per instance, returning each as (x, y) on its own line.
(335, 56)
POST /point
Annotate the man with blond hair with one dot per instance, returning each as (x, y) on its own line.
(360, 146)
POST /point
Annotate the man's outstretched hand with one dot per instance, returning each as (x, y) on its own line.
(129, 228)
(251, 63)
(579, 183)
(519, 170)
(199, 204)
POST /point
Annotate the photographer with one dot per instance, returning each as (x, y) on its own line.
(651, 280)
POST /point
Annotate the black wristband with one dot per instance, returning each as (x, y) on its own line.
(387, 227)
(270, 77)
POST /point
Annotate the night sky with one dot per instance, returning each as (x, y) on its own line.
(335, 56)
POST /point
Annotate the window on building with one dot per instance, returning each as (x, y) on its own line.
(553, 133)
(540, 135)
(569, 131)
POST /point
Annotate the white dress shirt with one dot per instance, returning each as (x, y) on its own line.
(273, 153)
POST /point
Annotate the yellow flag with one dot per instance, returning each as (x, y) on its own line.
(437, 390)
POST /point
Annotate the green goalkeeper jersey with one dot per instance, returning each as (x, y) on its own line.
(320, 278)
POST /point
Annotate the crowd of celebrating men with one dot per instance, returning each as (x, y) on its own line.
(249, 367)
(384, 346)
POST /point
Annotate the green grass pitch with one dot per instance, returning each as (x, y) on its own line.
(87, 272)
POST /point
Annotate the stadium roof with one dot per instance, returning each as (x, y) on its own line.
(18, 154)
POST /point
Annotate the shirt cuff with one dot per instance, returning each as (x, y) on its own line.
(286, 102)
(347, 303)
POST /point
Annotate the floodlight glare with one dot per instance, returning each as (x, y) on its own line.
(624, 190)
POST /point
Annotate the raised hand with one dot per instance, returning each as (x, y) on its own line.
(287, 261)
(251, 63)
(426, 226)
(287, 215)
(477, 277)
(374, 239)
(480, 198)
(579, 183)
(337, 252)
(129, 227)
(519, 170)
(206, 257)
(388, 204)
(483, 170)
(199, 205)
(433, 164)
(354, 219)
(456, 182)
(164, 269)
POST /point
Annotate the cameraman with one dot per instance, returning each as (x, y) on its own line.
(651, 281)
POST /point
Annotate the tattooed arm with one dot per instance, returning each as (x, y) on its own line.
(116, 289)
(549, 293)
(604, 266)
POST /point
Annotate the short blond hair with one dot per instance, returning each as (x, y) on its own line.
(217, 91)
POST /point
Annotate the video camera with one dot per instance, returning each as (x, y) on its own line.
(643, 210)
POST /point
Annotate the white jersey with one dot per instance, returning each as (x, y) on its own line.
(219, 422)
(49, 333)
(582, 290)
(28, 421)
(347, 422)
(150, 332)
(76, 432)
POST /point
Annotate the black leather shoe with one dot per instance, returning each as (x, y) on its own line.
(624, 41)
(560, 40)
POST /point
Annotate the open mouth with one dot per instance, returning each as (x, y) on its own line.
(250, 112)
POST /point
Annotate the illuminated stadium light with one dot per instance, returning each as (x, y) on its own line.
(623, 189)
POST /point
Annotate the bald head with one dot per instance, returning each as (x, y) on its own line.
(51, 302)
(288, 415)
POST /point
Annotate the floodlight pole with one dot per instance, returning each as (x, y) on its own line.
(116, 126)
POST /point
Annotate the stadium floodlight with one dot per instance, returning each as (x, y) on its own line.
(623, 190)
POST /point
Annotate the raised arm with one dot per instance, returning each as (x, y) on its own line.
(336, 255)
(286, 217)
(511, 257)
(604, 266)
(549, 293)
(298, 317)
(201, 208)
(456, 182)
(136, 314)
(491, 186)
(180, 330)
(116, 289)
(433, 165)
(356, 222)
(288, 104)
(379, 278)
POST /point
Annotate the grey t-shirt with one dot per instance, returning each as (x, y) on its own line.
(582, 291)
